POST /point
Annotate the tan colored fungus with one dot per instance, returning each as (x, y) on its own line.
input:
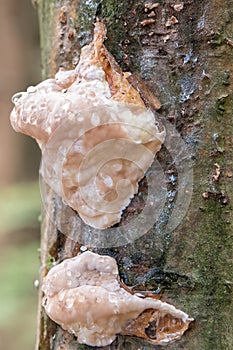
(84, 296)
(178, 7)
(96, 135)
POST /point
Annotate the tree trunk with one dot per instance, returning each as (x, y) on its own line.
(184, 53)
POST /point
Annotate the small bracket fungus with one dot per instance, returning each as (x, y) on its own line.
(96, 135)
(83, 295)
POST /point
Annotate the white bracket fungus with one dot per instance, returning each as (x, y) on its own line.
(83, 295)
(96, 135)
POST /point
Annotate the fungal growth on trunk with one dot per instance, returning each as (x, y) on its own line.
(84, 296)
(96, 135)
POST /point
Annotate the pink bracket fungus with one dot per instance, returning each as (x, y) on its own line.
(96, 135)
(84, 296)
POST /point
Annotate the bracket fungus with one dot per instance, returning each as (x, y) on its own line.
(84, 296)
(96, 135)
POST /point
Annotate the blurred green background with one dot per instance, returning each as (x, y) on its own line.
(19, 191)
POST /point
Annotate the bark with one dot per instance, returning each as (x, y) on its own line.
(187, 65)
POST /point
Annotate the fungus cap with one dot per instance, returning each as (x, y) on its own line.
(96, 135)
(83, 295)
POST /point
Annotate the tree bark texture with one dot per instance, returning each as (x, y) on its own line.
(185, 58)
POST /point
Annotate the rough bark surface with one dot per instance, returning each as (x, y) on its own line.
(187, 64)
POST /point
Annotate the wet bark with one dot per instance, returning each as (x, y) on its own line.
(185, 58)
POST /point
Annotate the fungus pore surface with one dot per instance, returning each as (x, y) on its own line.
(83, 295)
(96, 135)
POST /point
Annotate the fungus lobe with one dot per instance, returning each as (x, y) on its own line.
(96, 135)
(84, 296)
